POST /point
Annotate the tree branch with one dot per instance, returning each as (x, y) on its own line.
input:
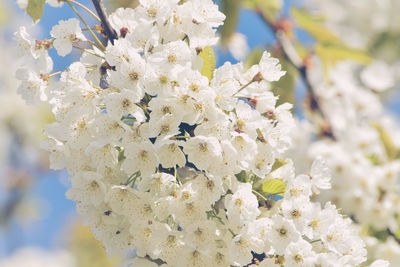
(110, 32)
(291, 55)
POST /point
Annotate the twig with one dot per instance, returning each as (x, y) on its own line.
(110, 32)
(86, 9)
(389, 232)
(291, 55)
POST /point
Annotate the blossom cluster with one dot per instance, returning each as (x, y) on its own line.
(363, 156)
(173, 163)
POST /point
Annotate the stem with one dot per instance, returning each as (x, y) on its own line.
(86, 51)
(233, 234)
(94, 44)
(133, 178)
(259, 195)
(86, 9)
(177, 176)
(56, 73)
(180, 137)
(84, 22)
(111, 33)
(291, 55)
(243, 87)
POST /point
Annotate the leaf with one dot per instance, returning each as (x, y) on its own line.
(387, 142)
(331, 54)
(274, 186)
(241, 176)
(314, 27)
(269, 8)
(277, 164)
(253, 58)
(35, 9)
(231, 10)
(208, 56)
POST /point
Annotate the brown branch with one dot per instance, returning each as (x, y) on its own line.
(110, 32)
(291, 55)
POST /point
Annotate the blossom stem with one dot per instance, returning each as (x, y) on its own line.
(85, 50)
(243, 87)
(259, 195)
(94, 44)
(55, 73)
(86, 9)
(133, 178)
(87, 26)
(176, 176)
(181, 137)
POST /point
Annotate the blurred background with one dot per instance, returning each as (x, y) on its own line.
(38, 223)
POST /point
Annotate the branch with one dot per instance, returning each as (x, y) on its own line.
(291, 55)
(110, 32)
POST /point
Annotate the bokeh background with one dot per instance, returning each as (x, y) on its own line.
(36, 219)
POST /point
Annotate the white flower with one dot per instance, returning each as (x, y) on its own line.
(129, 75)
(242, 206)
(87, 187)
(282, 233)
(378, 76)
(125, 101)
(320, 175)
(140, 157)
(66, 33)
(299, 210)
(170, 154)
(238, 46)
(203, 152)
(299, 254)
(270, 69)
(32, 89)
(242, 246)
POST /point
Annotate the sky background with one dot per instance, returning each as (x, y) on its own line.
(57, 212)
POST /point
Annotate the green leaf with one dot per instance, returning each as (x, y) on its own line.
(242, 177)
(277, 164)
(253, 58)
(274, 186)
(314, 27)
(269, 8)
(208, 56)
(231, 10)
(35, 9)
(387, 142)
(331, 54)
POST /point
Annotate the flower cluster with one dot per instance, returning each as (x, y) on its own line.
(175, 161)
(363, 156)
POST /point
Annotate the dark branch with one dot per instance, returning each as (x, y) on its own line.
(110, 32)
(291, 55)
